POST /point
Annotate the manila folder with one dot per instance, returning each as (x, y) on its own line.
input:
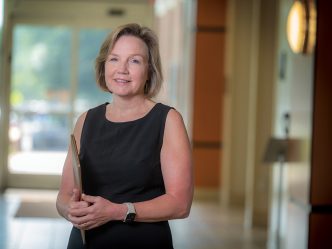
(77, 171)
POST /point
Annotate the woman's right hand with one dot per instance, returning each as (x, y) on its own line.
(75, 204)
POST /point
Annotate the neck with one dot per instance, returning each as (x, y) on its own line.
(122, 104)
(120, 110)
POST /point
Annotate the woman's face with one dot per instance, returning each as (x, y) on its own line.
(126, 67)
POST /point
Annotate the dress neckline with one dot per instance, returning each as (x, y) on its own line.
(129, 121)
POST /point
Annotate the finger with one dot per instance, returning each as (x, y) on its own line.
(77, 220)
(79, 212)
(78, 204)
(89, 198)
(74, 205)
(84, 204)
(74, 220)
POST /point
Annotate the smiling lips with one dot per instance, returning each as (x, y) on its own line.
(121, 81)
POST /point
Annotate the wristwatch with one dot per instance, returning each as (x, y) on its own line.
(131, 213)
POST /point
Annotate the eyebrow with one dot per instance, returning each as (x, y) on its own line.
(129, 55)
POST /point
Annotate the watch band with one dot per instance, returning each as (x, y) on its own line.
(131, 213)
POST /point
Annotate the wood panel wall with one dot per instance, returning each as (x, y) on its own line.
(320, 219)
(208, 92)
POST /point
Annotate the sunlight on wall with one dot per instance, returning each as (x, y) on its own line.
(1, 12)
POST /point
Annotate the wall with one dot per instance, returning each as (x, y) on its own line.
(3, 102)
(294, 96)
(248, 103)
(174, 23)
(257, 203)
(265, 80)
(78, 12)
(208, 93)
(320, 219)
(237, 98)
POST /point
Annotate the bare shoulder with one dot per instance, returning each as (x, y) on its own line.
(81, 119)
(174, 124)
(79, 125)
(174, 117)
(176, 149)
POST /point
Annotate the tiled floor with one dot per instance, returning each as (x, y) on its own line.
(208, 227)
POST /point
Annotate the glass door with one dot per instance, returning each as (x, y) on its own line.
(52, 82)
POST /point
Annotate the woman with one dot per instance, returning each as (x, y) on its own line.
(135, 154)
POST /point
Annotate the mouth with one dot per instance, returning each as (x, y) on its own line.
(121, 81)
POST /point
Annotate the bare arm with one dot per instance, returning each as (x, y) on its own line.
(176, 163)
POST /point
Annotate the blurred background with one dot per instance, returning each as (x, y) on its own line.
(255, 96)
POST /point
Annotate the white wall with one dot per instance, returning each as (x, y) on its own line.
(175, 21)
(251, 68)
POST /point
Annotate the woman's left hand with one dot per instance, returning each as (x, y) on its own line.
(99, 212)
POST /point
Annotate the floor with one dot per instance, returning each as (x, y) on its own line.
(209, 226)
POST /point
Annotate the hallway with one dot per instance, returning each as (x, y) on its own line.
(208, 227)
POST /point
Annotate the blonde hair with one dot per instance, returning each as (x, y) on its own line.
(155, 76)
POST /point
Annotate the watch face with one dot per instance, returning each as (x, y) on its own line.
(130, 217)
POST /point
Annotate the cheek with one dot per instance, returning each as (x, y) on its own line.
(108, 77)
(145, 75)
(139, 75)
(108, 72)
(107, 69)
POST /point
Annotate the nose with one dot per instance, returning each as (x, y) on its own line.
(123, 67)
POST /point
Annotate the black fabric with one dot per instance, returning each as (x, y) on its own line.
(121, 162)
(75, 240)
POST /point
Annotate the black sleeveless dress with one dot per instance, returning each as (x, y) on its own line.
(121, 162)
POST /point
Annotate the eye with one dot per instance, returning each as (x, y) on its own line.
(135, 60)
(112, 59)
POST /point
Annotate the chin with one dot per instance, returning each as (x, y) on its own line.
(123, 94)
